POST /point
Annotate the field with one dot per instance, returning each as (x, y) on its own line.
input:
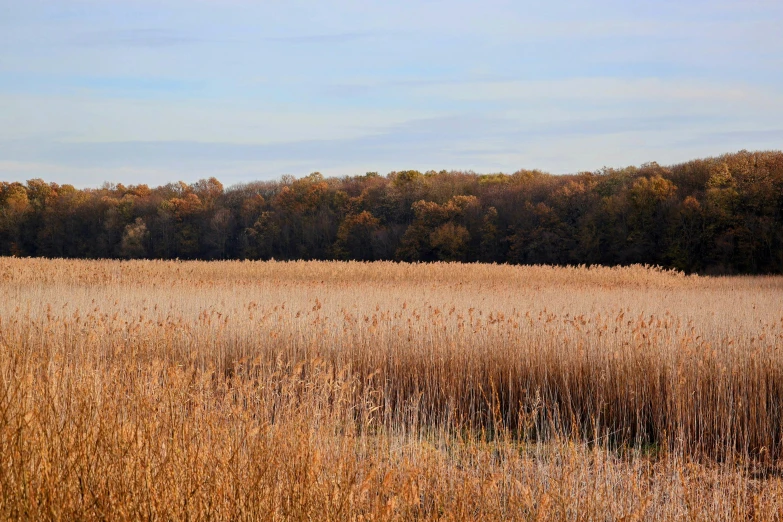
(347, 391)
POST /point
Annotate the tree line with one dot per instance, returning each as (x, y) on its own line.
(719, 215)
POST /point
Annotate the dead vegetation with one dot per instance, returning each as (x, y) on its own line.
(348, 391)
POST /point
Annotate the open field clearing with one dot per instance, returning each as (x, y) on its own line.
(347, 391)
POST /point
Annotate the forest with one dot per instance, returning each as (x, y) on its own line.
(720, 215)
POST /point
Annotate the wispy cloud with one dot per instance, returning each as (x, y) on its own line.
(335, 38)
(769, 138)
(134, 38)
(428, 140)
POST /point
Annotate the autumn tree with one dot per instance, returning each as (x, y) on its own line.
(712, 215)
(134, 240)
(357, 237)
(14, 203)
(438, 231)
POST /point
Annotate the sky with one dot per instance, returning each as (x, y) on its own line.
(138, 91)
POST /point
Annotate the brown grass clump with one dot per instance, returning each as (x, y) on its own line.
(348, 391)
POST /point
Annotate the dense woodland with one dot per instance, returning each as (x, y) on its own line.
(718, 216)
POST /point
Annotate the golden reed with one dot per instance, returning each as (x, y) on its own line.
(347, 391)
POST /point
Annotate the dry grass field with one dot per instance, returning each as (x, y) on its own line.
(157, 390)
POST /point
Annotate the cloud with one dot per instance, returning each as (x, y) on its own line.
(424, 140)
(750, 139)
(319, 38)
(590, 88)
(134, 38)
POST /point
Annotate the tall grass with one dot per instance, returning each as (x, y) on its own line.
(238, 390)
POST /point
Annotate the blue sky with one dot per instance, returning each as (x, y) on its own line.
(136, 91)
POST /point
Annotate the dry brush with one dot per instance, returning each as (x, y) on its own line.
(231, 390)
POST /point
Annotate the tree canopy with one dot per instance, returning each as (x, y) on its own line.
(717, 215)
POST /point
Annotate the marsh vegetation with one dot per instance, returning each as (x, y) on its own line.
(382, 391)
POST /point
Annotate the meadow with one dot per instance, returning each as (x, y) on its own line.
(161, 390)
